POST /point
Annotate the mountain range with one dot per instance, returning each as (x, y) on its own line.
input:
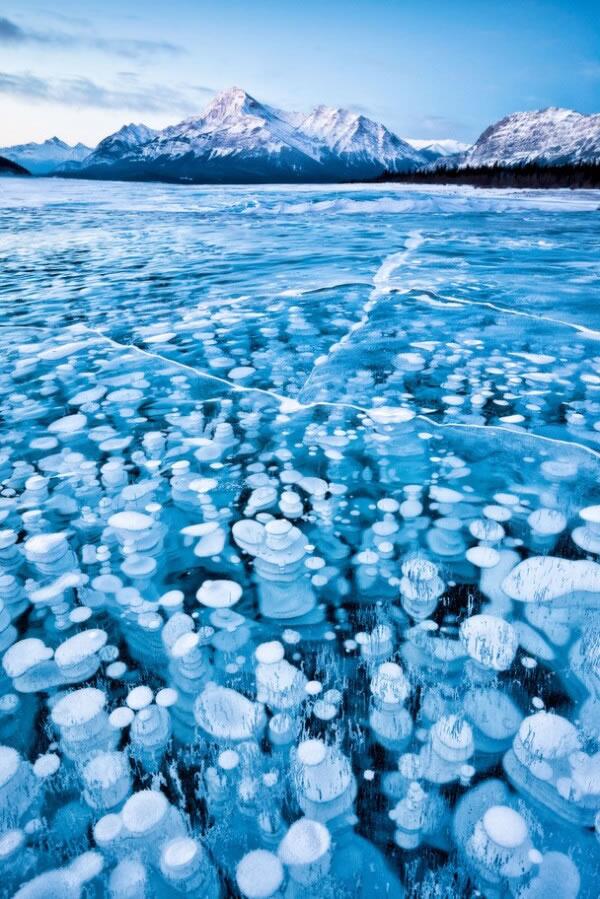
(438, 149)
(238, 139)
(545, 137)
(45, 158)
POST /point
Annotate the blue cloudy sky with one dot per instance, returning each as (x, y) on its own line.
(426, 68)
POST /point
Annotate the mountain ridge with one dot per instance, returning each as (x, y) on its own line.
(44, 158)
(550, 136)
(238, 139)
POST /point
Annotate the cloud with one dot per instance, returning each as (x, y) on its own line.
(11, 34)
(85, 92)
(128, 48)
(203, 89)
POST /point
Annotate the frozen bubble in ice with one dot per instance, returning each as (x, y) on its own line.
(312, 752)
(74, 656)
(139, 697)
(167, 697)
(51, 593)
(180, 860)
(228, 760)
(490, 641)
(557, 875)
(269, 653)
(226, 714)
(483, 556)
(9, 764)
(306, 842)
(391, 415)
(219, 594)
(546, 578)
(497, 513)
(452, 738)
(389, 684)
(45, 547)
(241, 372)
(80, 615)
(587, 537)
(144, 811)
(46, 765)
(116, 670)
(585, 773)
(79, 707)
(547, 522)
(107, 829)
(121, 717)
(259, 874)
(25, 654)
(107, 780)
(504, 826)
(92, 395)
(172, 601)
(11, 842)
(445, 495)
(486, 530)
(314, 486)
(291, 637)
(130, 521)
(58, 882)
(545, 735)
(128, 880)
(185, 644)
(68, 425)
(325, 711)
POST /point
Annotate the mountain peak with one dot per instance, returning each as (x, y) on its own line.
(346, 131)
(135, 133)
(232, 102)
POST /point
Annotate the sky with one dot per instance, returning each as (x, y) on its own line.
(425, 68)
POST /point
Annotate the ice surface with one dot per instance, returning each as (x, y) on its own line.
(299, 541)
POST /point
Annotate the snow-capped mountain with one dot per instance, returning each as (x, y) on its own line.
(123, 144)
(237, 139)
(45, 158)
(546, 136)
(355, 137)
(438, 149)
(233, 125)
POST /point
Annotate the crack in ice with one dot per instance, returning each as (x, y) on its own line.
(390, 264)
(582, 329)
(289, 405)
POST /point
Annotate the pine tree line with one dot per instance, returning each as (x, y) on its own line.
(583, 175)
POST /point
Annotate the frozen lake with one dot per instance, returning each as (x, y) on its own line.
(300, 517)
